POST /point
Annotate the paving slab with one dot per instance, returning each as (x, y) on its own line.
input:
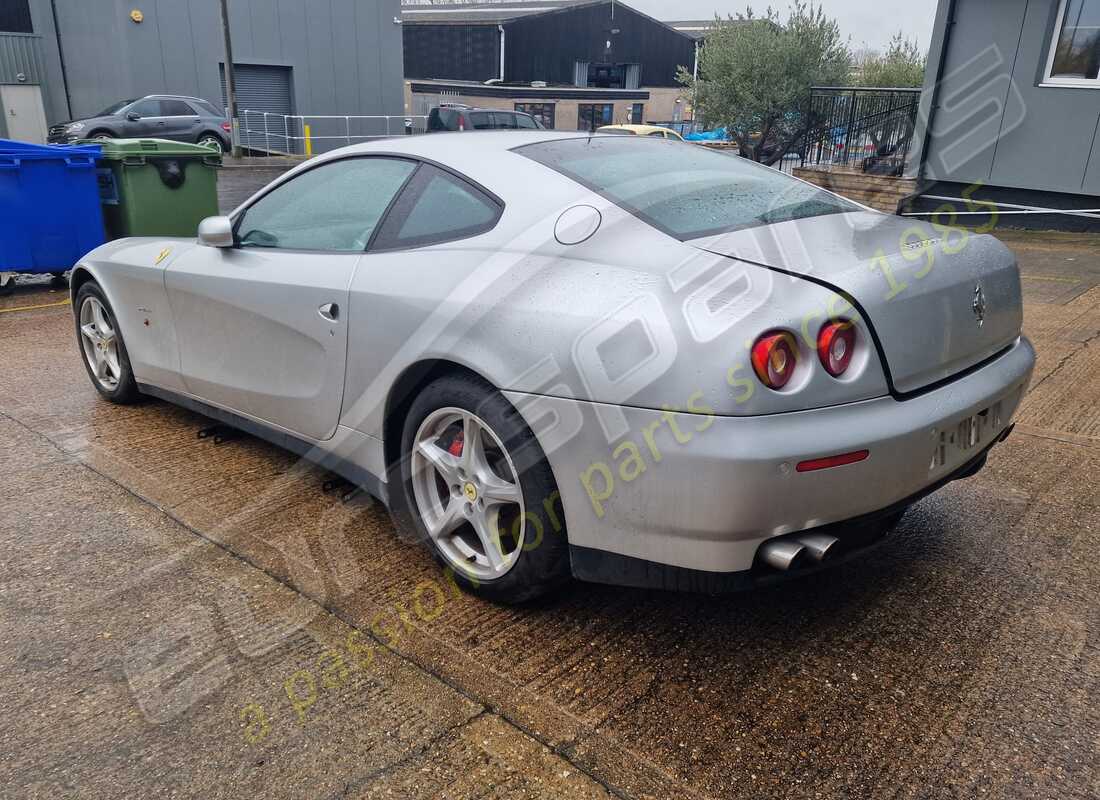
(181, 617)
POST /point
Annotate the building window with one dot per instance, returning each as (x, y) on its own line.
(543, 112)
(637, 113)
(607, 76)
(1075, 52)
(15, 16)
(594, 115)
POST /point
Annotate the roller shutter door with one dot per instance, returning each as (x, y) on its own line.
(263, 88)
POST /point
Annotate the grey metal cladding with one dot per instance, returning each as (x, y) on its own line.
(344, 55)
(21, 54)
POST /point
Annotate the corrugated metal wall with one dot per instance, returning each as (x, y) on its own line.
(21, 54)
(452, 52)
(344, 55)
(546, 47)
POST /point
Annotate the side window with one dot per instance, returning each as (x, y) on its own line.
(504, 119)
(437, 207)
(176, 108)
(146, 108)
(334, 207)
(661, 134)
(524, 121)
(209, 109)
(480, 120)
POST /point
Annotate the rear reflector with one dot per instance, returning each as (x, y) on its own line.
(832, 461)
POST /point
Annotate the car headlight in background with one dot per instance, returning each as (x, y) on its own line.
(76, 126)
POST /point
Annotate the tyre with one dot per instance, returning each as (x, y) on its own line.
(102, 346)
(7, 285)
(213, 141)
(101, 135)
(480, 492)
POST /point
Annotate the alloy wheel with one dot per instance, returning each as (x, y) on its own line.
(468, 493)
(100, 343)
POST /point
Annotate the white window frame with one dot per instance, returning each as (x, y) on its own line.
(1063, 82)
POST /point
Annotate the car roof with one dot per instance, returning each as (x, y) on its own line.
(457, 107)
(482, 156)
(640, 129)
(447, 144)
(170, 97)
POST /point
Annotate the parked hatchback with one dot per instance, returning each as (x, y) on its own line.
(184, 119)
(464, 118)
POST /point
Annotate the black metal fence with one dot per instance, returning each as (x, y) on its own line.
(864, 129)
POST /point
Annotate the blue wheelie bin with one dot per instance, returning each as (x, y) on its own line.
(50, 213)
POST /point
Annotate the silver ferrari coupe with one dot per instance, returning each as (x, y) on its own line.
(615, 358)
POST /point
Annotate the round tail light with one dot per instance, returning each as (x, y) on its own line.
(774, 357)
(835, 345)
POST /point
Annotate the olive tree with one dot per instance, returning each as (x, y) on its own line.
(755, 74)
(901, 66)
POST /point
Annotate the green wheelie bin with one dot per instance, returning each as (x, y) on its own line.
(156, 187)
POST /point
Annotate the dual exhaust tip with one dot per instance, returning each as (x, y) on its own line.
(800, 551)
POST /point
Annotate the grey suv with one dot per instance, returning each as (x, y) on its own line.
(464, 118)
(160, 116)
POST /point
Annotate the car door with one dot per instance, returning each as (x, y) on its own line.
(426, 247)
(143, 120)
(181, 122)
(262, 326)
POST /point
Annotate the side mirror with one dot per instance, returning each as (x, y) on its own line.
(216, 232)
(132, 116)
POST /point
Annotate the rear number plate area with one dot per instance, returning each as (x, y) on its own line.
(954, 444)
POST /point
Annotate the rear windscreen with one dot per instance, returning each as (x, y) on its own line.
(685, 190)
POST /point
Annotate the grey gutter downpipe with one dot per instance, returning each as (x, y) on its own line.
(933, 103)
(501, 29)
(61, 60)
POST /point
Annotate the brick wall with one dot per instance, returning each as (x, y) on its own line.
(877, 191)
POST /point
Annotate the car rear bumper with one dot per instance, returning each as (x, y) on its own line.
(705, 496)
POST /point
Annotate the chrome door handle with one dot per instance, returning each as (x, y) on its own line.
(330, 311)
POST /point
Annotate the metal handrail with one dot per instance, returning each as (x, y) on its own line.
(283, 133)
(868, 128)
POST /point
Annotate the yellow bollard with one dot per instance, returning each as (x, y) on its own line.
(309, 142)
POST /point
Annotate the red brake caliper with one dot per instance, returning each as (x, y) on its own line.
(455, 447)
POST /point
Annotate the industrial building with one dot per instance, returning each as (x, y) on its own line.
(61, 59)
(1010, 111)
(575, 64)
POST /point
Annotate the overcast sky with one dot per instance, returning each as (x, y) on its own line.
(870, 22)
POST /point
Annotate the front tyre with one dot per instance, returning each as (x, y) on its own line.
(481, 493)
(102, 347)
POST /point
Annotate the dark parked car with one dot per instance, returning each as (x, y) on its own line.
(465, 118)
(160, 116)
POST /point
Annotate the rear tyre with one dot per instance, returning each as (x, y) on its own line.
(213, 141)
(102, 348)
(480, 492)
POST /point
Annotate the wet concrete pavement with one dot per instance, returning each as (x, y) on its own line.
(192, 619)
